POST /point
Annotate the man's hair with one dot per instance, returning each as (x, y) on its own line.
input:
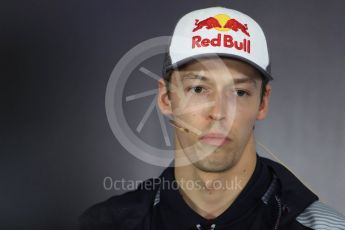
(167, 79)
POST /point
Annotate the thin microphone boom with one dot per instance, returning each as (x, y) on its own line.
(183, 129)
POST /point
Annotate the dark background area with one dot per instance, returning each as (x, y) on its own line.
(56, 146)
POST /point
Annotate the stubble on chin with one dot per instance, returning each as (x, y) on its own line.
(213, 160)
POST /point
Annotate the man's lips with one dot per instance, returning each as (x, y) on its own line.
(215, 139)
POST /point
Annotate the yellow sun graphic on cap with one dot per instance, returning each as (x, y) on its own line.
(222, 19)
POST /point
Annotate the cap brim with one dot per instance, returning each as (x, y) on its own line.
(265, 72)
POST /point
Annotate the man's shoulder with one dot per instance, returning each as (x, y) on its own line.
(319, 216)
(303, 203)
(129, 205)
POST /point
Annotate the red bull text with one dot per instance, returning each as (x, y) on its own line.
(225, 41)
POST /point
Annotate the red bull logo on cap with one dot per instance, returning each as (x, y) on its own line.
(223, 23)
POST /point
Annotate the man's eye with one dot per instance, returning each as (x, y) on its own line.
(241, 93)
(196, 89)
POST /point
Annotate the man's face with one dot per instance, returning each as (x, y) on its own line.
(219, 99)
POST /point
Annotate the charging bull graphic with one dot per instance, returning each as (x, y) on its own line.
(221, 22)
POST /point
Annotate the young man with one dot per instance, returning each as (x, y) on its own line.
(215, 88)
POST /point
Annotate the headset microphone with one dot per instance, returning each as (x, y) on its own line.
(183, 129)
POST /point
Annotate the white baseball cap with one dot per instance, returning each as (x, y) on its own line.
(218, 31)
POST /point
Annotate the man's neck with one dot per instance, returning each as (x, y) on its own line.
(210, 194)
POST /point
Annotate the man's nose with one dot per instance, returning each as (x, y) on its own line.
(218, 110)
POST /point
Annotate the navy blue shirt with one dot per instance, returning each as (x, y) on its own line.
(172, 212)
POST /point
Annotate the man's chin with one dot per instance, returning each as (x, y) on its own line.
(213, 165)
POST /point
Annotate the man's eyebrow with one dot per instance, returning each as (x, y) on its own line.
(236, 80)
(245, 80)
(195, 76)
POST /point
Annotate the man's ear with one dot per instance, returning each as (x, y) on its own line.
(163, 99)
(263, 109)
